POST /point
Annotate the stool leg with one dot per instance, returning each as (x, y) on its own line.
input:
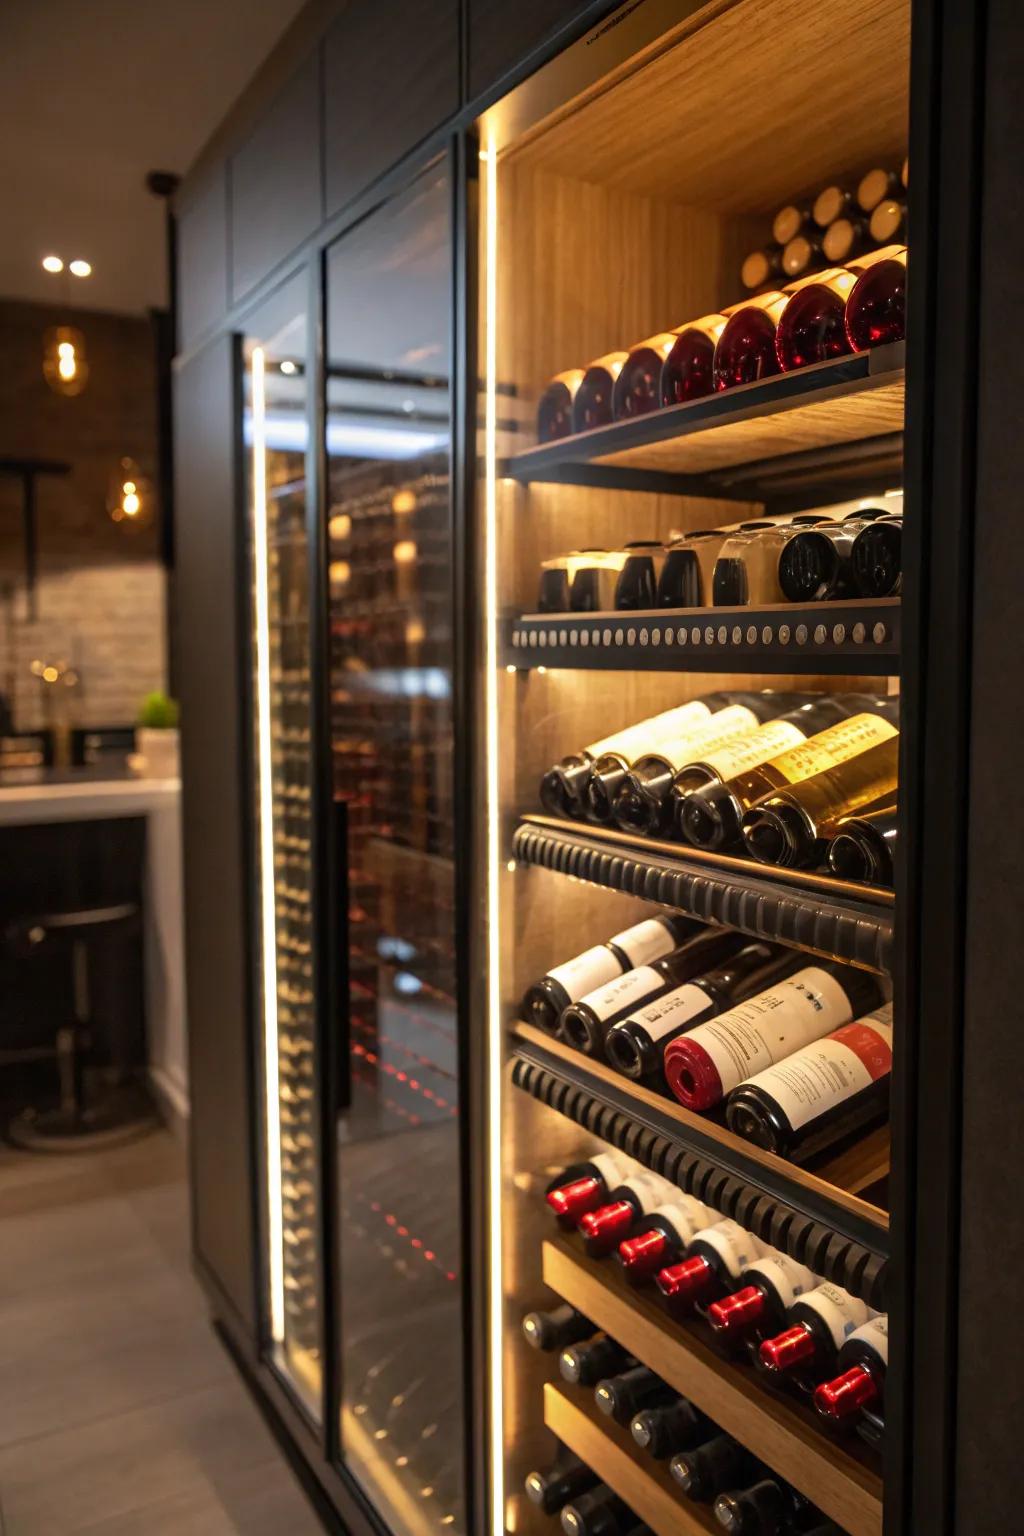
(69, 1070)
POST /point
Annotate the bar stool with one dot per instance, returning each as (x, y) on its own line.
(85, 1118)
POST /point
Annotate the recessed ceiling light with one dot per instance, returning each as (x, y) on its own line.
(80, 268)
(52, 264)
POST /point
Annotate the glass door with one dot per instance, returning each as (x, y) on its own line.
(276, 439)
(390, 637)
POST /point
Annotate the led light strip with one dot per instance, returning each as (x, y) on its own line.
(268, 915)
(496, 1330)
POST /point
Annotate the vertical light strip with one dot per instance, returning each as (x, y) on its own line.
(496, 1329)
(268, 914)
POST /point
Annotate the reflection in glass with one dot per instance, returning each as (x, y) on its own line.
(390, 576)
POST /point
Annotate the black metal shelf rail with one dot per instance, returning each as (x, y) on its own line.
(861, 637)
(848, 922)
(838, 1243)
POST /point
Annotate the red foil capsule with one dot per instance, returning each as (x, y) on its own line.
(642, 1255)
(684, 1284)
(789, 1349)
(735, 1313)
(570, 1201)
(847, 1394)
(691, 1074)
(604, 1228)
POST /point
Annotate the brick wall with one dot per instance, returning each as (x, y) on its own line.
(101, 598)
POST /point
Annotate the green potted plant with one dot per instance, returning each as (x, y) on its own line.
(156, 738)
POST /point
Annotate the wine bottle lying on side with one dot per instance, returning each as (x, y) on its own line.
(860, 1384)
(552, 1487)
(713, 1265)
(863, 846)
(794, 826)
(547, 999)
(771, 1284)
(819, 1323)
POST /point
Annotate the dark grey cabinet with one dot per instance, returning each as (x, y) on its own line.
(202, 236)
(499, 34)
(214, 770)
(391, 76)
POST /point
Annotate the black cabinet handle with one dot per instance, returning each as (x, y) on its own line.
(339, 1014)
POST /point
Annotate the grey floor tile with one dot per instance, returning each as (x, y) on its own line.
(266, 1501)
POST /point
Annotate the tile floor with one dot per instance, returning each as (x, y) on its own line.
(120, 1413)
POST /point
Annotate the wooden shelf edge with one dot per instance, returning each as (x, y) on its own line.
(780, 1433)
(875, 1167)
(643, 1483)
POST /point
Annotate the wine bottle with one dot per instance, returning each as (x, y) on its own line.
(831, 203)
(791, 221)
(863, 847)
(553, 590)
(636, 1045)
(637, 586)
(593, 577)
(706, 1064)
(554, 411)
(553, 1330)
(552, 1487)
(585, 1186)
(643, 802)
(874, 186)
(547, 999)
(771, 1284)
(816, 564)
(745, 351)
(811, 328)
(845, 239)
(672, 1427)
(860, 1383)
(587, 1363)
(662, 1237)
(746, 570)
(760, 267)
(721, 1463)
(821, 1094)
(814, 714)
(769, 1508)
(687, 372)
(597, 1513)
(592, 405)
(792, 827)
(621, 1397)
(563, 788)
(876, 311)
(888, 223)
(586, 1023)
(679, 585)
(714, 1264)
(711, 816)
(689, 721)
(638, 1195)
(801, 255)
(876, 558)
(819, 1323)
(638, 386)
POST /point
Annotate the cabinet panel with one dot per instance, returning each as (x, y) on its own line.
(276, 182)
(209, 667)
(499, 36)
(391, 78)
(203, 258)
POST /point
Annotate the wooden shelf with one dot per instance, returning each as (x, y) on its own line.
(779, 436)
(644, 1484)
(836, 918)
(860, 638)
(778, 1430)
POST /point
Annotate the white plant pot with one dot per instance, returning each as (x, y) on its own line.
(156, 753)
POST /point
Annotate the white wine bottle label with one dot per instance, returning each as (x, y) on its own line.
(638, 738)
(646, 941)
(631, 987)
(788, 1278)
(728, 725)
(754, 747)
(832, 746)
(612, 1169)
(839, 1311)
(830, 1071)
(734, 1245)
(686, 1215)
(758, 1033)
(589, 970)
(875, 1333)
(673, 1011)
(650, 1190)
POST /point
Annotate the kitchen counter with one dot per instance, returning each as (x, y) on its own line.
(79, 794)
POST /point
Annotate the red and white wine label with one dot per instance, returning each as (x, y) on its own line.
(734, 1245)
(649, 1189)
(591, 969)
(832, 746)
(839, 1311)
(687, 1216)
(764, 1029)
(643, 736)
(673, 1011)
(832, 1070)
(787, 1278)
(630, 987)
(874, 1333)
(753, 747)
(644, 942)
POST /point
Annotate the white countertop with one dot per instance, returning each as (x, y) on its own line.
(84, 800)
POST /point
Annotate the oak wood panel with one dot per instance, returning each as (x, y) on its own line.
(778, 1430)
(645, 1484)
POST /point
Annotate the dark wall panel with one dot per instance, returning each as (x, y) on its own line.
(990, 1395)
(276, 182)
(203, 258)
(209, 673)
(500, 34)
(391, 76)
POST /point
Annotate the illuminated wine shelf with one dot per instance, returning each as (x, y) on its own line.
(644, 1484)
(837, 1478)
(860, 637)
(836, 918)
(780, 437)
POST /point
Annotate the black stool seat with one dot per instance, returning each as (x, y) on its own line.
(119, 1113)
